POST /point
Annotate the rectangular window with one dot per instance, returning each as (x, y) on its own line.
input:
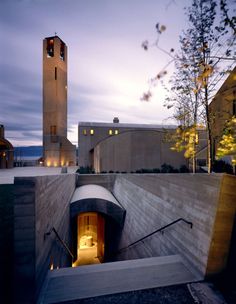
(55, 73)
(50, 47)
(91, 132)
(62, 51)
(53, 130)
(85, 132)
(116, 132)
(110, 132)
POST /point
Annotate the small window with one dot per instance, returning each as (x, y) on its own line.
(91, 132)
(110, 132)
(53, 130)
(116, 132)
(55, 73)
(50, 47)
(85, 132)
(62, 51)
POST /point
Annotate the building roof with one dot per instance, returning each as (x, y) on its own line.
(125, 125)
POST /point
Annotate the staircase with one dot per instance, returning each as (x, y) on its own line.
(67, 284)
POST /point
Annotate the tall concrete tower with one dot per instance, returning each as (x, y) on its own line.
(57, 149)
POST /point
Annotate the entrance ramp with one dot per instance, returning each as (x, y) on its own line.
(68, 284)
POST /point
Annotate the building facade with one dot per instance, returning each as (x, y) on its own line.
(6, 151)
(57, 149)
(123, 147)
(222, 108)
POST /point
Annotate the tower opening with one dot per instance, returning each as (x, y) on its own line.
(90, 238)
(50, 47)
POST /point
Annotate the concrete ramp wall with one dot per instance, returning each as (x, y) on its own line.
(40, 204)
(152, 201)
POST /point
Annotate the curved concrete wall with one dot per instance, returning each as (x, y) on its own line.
(94, 198)
(133, 150)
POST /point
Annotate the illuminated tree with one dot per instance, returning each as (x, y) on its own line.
(227, 144)
(203, 47)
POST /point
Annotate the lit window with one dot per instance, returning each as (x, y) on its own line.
(110, 132)
(62, 51)
(85, 132)
(53, 130)
(91, 132)
(197, 139)
(50, 47)
(116, 132)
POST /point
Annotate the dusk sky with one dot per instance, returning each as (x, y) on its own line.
(108, 71)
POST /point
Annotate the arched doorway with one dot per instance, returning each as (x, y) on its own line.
(96, 220)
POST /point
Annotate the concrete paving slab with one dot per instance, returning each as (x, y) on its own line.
(110, 278)
(7, 175)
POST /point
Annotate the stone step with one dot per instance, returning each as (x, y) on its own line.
(89, 281)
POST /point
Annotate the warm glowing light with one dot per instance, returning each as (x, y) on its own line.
(62, 163)
(74, 264)
(85, 132)
(110, 132)
(48, 163)
(116, 132)
(51, 266)
(91, 132)
(55, 164)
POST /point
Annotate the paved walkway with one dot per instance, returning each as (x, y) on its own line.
(7, 175)
(110, 278)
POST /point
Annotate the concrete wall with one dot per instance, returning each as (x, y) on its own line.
(40, 204)
(6, 242)
(152, 201)
(134, 150)
(221, 108)
(104, 180)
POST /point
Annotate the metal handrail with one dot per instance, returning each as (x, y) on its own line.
(158, 230)
(60, 240)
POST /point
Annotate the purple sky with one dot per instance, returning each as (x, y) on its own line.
(108, 71)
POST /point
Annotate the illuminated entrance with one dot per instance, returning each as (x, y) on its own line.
(90, 238)
(96, 221)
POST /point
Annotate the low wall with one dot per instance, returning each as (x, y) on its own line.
(104, 180)
(40, 203)
(152, 201)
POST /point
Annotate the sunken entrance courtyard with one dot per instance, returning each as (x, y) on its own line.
(79, 237)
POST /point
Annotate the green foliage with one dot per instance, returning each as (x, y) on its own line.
(85, 170)
(227, 145)
(221, 166)
(165, 168)
(183, 169)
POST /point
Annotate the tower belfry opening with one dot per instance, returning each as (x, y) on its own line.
(57, 149)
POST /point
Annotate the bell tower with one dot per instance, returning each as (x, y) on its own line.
(57, 149)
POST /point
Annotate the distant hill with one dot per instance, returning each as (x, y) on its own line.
(30, 151)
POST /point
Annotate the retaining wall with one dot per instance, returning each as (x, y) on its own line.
(6, 242)
(40, 203)
(152, 201)
(104, 180)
